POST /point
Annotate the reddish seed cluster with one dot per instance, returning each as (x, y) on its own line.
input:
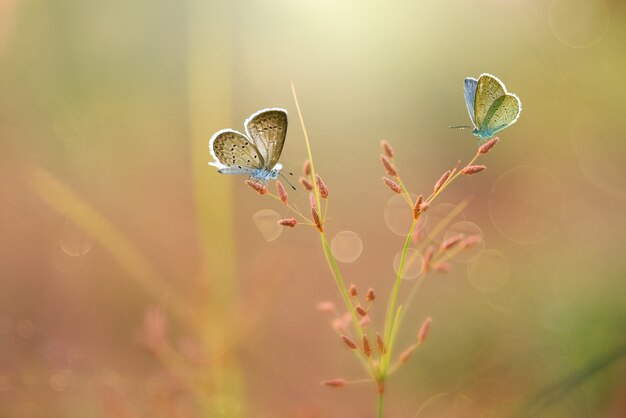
(452, 241)
(392, 185)
(387, 149)
(348, 342)
(334, 383)
(391, 170)
(427, 259)
(407, 353)
(306, 168)
(354, 292)
(423, 332)
(306, 183)
(257, 187)
(367, 348)
(417, 208)
(444, 177)
(290, 222)
(381, 344)
(473, 169)
(282, 193)
(471, 241)
(484, 148)
(322, 187)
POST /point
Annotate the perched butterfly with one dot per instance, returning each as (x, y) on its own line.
(255, 154)
(490, 106)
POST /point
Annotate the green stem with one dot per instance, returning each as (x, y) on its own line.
(381, 399)
(391, 310)
(341, 285)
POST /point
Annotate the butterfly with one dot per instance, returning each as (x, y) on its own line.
(490, 106)
(255, 154)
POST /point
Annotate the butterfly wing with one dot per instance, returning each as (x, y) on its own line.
(268, 128)
(234, 153)
(488, 90)
(503, 112)
(469, 90)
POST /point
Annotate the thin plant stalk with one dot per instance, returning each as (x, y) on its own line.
(330, 259)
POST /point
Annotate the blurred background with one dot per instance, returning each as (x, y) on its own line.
(135, 281)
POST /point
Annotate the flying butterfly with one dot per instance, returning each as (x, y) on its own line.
(490, 106)
(255, 154)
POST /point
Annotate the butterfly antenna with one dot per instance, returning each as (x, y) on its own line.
(460, 127)
(287, 180)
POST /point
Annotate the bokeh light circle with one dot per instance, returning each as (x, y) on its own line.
(579, 23)
(74, 240)
(347, 246)
(63, 261)
(489, 271)
(266, 221)
(526, 204)
(399, 215)
(468, 229)
(438, 221)
(58, 382)
(412, 265)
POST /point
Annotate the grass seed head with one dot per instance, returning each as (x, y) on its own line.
(392, 185)
(387, 149)
(325, 306)
(282, 193)
(335, 383)
(381, 344)
(484, 148)
(306, 183)
(391, 170)
(348, 342)
(428, 258)
(367, 348)
(316, 219)
(354, 292)
(322, 187)
(417, 209)
(473, 169)
(407, 353)
(441, 181)
(443, 267)
(452, 241)
(290, 222)
(306, 168)
(471, 241)
(423, 332)
(257, 187)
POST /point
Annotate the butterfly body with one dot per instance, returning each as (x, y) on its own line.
(490, 106)
(255, 153)
(259, 174)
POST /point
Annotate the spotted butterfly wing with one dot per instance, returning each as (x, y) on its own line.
(234, 153)
(494, 107)
(267, 129)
